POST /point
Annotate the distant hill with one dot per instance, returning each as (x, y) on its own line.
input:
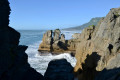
(93, 21)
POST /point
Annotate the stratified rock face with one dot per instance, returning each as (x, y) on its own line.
(47, 41)
(13, 59)
(54, 43)
(57, 35)
(59, 70)
(103, 40)
(48, 37)
(58, 42)
(62, 38)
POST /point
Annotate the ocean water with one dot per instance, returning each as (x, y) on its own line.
(33, 38)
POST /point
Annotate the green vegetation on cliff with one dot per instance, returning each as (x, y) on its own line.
(93, 21)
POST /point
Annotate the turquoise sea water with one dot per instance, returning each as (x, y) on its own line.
(32, 39)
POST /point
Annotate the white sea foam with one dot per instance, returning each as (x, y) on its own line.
(40, 62)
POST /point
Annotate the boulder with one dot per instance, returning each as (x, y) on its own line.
(59, 70)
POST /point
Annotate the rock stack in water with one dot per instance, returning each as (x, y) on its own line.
(99, 49)
(47, 41)
(13, 59)
(55, 42)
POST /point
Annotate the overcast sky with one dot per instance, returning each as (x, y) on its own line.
(51, 14)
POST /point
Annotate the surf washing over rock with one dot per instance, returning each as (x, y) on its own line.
(37, 60)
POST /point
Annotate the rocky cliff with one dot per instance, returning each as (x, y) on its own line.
(13, 59)
(102, 41)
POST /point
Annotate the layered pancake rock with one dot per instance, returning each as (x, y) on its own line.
(100, 49)
(55, 42)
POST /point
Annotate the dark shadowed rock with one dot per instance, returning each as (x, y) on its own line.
(13, 59)
(59, 70)
(112, 74)
(4, 13)
(88, 71)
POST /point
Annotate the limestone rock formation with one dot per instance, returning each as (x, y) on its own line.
(56, 35)
(13, 59)
(76, 35)
(55, 42)
(104, 39)
(62, 38)
(72, 44)
(59, 70)
(47, 41)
